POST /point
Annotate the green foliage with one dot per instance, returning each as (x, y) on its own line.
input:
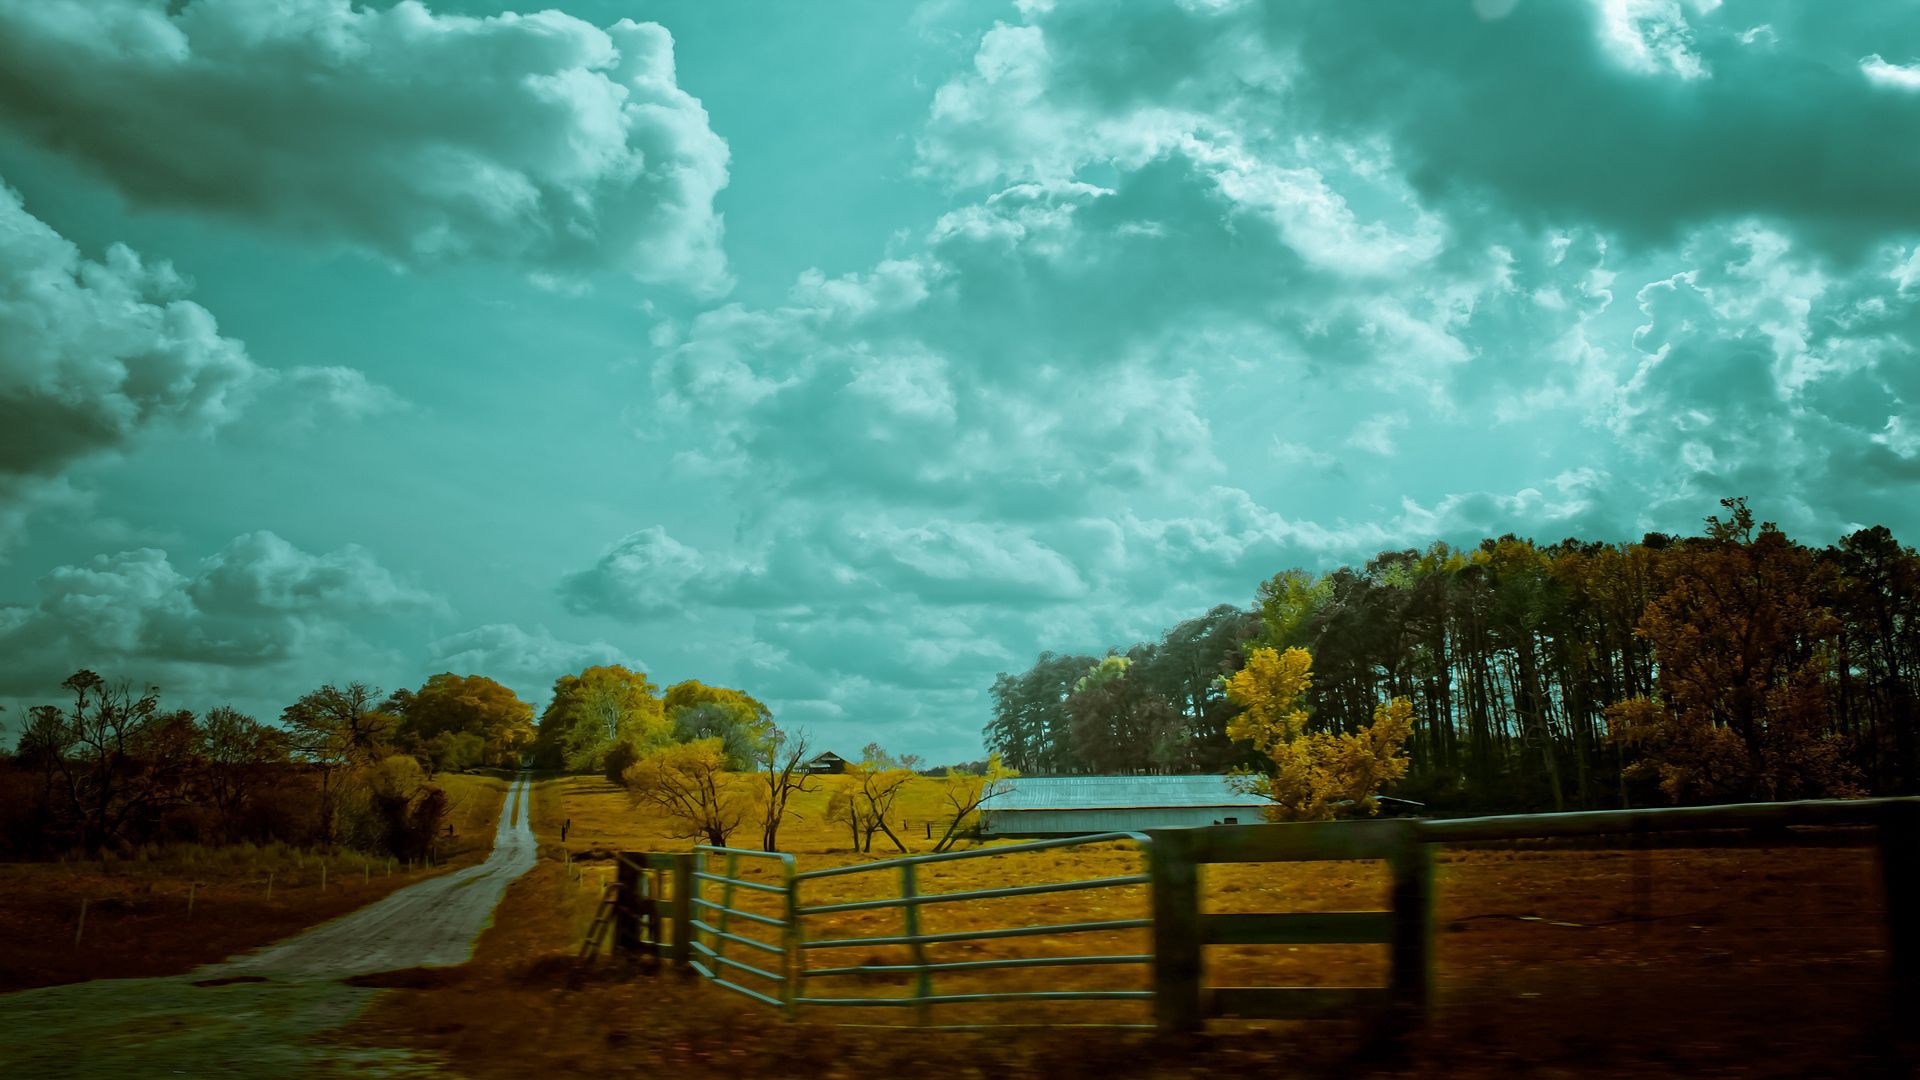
(594, 711)
(743, 733)
(471, 706)
(451, 751)
(1172, 710)
(1285, 603)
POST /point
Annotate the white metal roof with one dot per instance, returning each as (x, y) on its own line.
(1117, 792)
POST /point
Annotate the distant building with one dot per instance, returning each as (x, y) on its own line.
(827, 764)
(1067, 805)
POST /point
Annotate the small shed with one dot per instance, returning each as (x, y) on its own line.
(1069, 805)
(827, 764)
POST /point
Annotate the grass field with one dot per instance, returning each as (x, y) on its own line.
(138, 921)
(1753, 961)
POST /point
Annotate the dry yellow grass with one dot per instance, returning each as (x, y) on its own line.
(1727, 923)
(1760, 962)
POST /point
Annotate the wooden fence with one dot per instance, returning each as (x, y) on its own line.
(1182, 1000)
(653, 909)
(653, 906)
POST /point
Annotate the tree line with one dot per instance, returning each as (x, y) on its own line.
(1734, 664)
(112, 768)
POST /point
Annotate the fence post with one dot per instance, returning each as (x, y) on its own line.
(795, 955)
(1412, 948)
(1900, 871)
(626, 902)
(910, 914)
(1176, 931)
(683, 885)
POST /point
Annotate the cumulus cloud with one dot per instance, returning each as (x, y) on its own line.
(644, 573)
(427, 138)
(308, 396)
(93, 354)
(260, 573)
(259, 602)
(528, 660)
(1230, 288)
(97, 355)
(1649, 116)
(971, 372)
(1765, 369)
(828, 561)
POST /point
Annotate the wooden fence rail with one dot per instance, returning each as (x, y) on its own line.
(657, 913)
(1182, 1000)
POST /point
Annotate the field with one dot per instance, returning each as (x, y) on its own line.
(1713, 959)
(167, 910)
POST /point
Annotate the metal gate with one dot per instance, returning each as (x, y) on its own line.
(716, 924)
(909, 900)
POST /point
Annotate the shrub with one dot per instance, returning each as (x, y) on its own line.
(620, 758)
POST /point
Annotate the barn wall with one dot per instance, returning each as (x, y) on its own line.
(1068, 822)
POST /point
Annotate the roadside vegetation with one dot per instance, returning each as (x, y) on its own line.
(166, 909)
(136, 839)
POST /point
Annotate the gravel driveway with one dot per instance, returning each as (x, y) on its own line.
(255, 1015)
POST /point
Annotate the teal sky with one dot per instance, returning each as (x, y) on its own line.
(850, 353)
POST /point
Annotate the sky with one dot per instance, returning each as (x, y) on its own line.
(850, 353)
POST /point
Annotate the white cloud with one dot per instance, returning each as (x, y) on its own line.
(1375, 434)
(1227, 292)
(536, 139)
(260, 603)
(527, 661)
(259, 573)
(94, 354)
(1893, 76)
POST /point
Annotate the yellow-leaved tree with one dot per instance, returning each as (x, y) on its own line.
(1313, 775)
(966, 792)
(690, 785)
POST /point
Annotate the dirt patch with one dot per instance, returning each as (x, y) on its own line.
(229, 980)
(409, 979)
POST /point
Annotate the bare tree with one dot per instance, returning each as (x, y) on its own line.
(690, 782)
(112, 755)
(783, 771)
(865, 797)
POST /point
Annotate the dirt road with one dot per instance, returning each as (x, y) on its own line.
(255, 1015)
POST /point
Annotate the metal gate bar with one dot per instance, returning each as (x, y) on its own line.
(910, 900)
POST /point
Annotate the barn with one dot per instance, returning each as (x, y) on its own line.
(827, 764)
(1069, 805)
